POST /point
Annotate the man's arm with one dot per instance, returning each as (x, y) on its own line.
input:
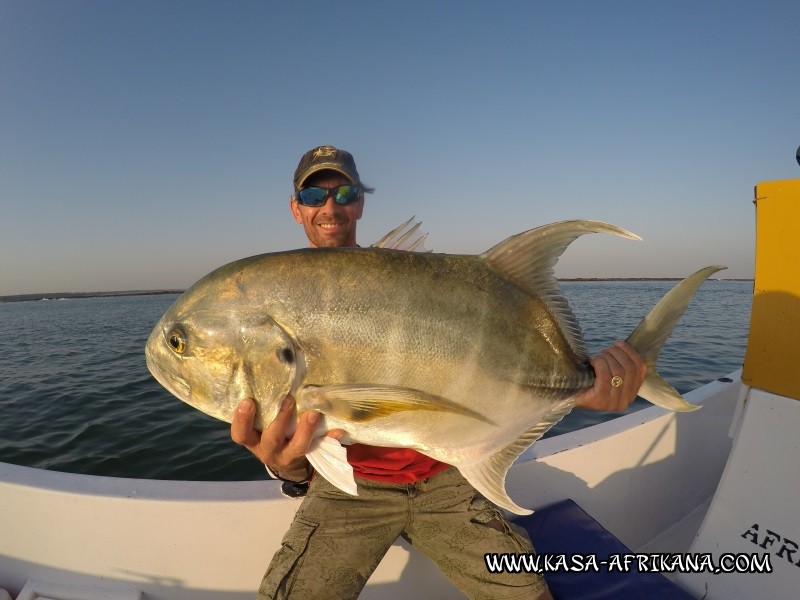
(620, 360)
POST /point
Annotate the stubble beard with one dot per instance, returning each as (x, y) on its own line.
(332, 240)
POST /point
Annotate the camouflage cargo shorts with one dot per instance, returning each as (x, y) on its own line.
(336, 540)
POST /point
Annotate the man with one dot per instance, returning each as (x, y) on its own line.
(337, 540)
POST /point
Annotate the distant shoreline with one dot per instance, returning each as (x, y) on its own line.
(73, 295)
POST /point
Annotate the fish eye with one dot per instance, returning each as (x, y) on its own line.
(177, 341)
(286, 356)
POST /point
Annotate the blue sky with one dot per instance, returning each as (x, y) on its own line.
(143, 144)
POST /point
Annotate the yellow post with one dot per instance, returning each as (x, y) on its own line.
(772, 361)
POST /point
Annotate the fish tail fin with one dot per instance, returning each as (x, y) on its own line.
(649, 336)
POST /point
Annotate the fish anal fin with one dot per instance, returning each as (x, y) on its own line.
(489, 475)
(364, 402)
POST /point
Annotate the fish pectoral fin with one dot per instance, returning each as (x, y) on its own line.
(329, 459)
(361, 402)
(489, 475)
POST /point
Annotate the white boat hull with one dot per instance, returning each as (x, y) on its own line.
(636, 474)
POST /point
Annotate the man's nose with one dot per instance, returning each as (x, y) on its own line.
(330, 205)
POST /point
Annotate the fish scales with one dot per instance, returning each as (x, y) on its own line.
(417, 319)
(468, 359)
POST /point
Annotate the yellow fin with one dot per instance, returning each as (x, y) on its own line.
(359, 402)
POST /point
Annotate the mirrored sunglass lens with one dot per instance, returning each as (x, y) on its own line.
(312, 196)
(345, 194)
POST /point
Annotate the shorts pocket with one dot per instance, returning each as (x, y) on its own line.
(483, 512)
(280, 576)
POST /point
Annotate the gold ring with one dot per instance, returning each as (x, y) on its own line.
(616, 381)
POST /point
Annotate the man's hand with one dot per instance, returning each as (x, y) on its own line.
(621, 360)
(285, 456)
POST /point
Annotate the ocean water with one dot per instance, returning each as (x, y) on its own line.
(76, 395)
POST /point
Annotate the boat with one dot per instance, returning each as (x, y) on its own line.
(700, 505)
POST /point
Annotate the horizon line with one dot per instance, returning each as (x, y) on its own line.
(160, 292)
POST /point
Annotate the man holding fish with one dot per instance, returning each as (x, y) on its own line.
(337, 540)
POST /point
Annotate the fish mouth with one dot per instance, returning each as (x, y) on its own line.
(177, 386)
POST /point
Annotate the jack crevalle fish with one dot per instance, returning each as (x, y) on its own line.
(467, 359)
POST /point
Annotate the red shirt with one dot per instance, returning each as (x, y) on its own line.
(391, 465)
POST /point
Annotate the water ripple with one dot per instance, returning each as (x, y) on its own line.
(76, 396)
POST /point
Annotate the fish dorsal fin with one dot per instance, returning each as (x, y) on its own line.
(529, 259)
(402, 238)
(489, 475)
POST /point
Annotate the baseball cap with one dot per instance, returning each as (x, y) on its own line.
(325, 158)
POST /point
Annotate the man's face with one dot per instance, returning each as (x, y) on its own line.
(330, 225)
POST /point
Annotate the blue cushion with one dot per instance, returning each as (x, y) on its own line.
(565, 528)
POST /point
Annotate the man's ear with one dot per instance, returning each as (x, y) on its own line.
(294, 207)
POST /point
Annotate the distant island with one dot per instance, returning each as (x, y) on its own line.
(70, 295)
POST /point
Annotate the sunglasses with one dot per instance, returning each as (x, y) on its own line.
(317, 196)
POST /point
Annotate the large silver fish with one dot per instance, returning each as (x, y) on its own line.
(467, 359)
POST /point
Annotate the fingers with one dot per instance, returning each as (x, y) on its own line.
(620, 365)
(273, 438)
(336, 434)
(272, 446)
(634, 366)
(610, 363)
(622, 361)
(242, 431)
(299, 443)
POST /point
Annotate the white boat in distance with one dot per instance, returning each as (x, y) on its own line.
(707, 497)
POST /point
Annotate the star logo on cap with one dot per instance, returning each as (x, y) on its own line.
(325, 151)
